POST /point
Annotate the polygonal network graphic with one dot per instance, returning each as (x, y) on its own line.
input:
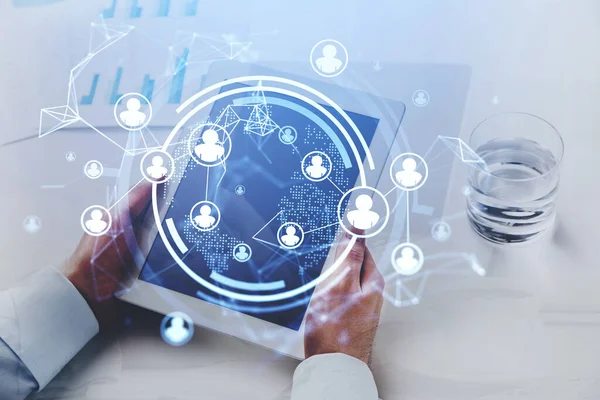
(265, 184)
(133, 111)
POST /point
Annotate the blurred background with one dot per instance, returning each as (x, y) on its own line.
(528, 330)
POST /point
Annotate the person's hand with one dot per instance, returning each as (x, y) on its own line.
(345, 310)
(101, 265)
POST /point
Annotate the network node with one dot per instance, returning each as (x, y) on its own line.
(240, 190)
(93, 169)
(290, 235)
(96, 220)
(367, 210)
(409, 171)
(242, 252)
(133, 111)
(70, 156)
(316, 166)
(420, 98)
(288, 135)
(329, 58)
(441, 231)
(209, 145)
(157, 166)
(407, 259)
(32, 224)
(177, 329)
(205, 216)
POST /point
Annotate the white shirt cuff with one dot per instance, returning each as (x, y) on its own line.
(45, 322)
(332, 377)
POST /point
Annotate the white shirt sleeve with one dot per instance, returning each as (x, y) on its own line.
(44, 322)
(333, 377)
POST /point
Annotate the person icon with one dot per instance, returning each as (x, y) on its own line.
(363, 217)
(329, 63)
(242, 254)
(205, 220)
(210, 150)
(441, 231)
(133, 117)
(240, 190)
(288, 136)
(176, 333)
(32, 224)
(93, 171)
(95, 224)
(316, 170)
(407, 260)
(421, 98)
(157, 170)
(157, 166)
(409, 177)
(70, 156)
(290, 239)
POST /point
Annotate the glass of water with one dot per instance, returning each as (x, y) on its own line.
(513, 186)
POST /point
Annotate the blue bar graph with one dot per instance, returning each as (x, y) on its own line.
(33, 3)
(191, 8)
(115, 95)
(110, 11)
(89, 99)
(202, 80)
(164, 7)
(148, 88)
(136, 10)
(179, 78)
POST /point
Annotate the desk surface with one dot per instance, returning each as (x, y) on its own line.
(529, 330)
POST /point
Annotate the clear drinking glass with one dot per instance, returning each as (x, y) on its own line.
(513, 191)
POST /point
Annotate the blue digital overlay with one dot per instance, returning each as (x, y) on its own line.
(147, 86)
(276, 192)
(134, 9)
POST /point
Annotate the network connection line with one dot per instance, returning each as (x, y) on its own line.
(125, 195)
(414, 298)
(207, 181)
(336, 186)
(267, 224)
(462, 150)
(69, 113)
(399, 294)
(408, 217)
(322, 227)
(104, 36)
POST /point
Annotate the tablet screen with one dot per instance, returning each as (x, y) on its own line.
(256, 208)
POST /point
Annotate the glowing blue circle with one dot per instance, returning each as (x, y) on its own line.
(362, 176)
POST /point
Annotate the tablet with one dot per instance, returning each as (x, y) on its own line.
(261, 172)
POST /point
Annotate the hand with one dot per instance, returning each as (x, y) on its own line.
(344, 313)
(101, 265)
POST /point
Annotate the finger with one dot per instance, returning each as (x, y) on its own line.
(132, 208)
(372, 280)
(128, 224)
(338, 282)
(140, 199)
(353, 260)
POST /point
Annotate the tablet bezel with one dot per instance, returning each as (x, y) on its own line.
(254, 330)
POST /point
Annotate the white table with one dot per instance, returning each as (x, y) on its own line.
(529, 330)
